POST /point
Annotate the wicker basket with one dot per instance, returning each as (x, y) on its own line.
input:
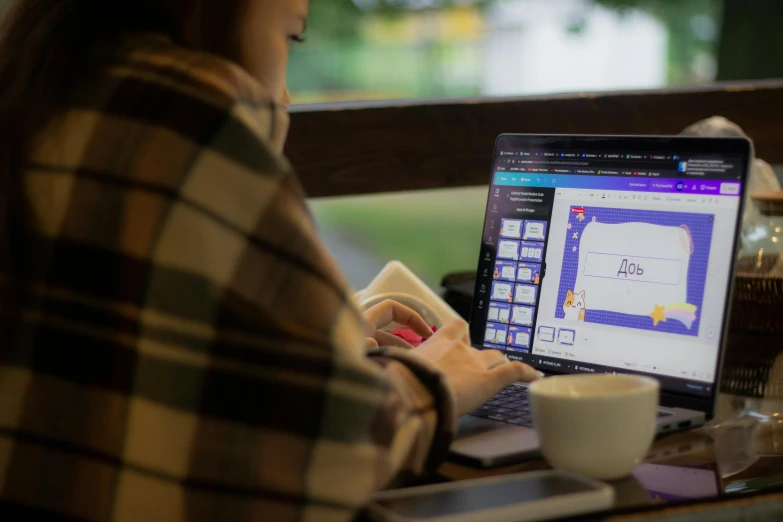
(755, 333)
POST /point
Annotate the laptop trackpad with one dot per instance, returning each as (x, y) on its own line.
(489, 441)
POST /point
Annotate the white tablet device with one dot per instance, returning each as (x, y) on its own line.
(540, 495)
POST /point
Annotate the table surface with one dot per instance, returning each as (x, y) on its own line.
(738, 452)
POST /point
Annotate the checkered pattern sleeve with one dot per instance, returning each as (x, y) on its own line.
(181, 346)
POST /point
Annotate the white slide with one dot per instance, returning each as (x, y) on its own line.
(633, 267)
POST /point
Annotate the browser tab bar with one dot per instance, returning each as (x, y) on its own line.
(591, 180)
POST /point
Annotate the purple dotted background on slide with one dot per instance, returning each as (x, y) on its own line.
(531, 251)
(534, 225)
(525, 294)
(701, 227)
(507, 224)
(499, 332)
(535, 270)
(518, 309)
(512, 334)
(499, 312)
(548, 336)
(501, 284)
(510, 268)
(504, 245)
(562, 340)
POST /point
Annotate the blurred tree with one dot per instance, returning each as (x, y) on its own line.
(328, 61)
(742, 34)
(750, 46)
(333, 26)
(693, 33)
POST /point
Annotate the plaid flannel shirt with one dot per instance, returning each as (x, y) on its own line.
(184, 347)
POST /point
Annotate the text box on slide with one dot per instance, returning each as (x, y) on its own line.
(535, 230)
(508, 249)
(504, 270)
(499, 312)
(546, 334)
(522, 315)
(495, 333)
(511, 228)
(531, 251)
(519, 336)
(529, 273)
(525, 294)
(643, 269)
(566, 337)
(664, 280)
(502, 291)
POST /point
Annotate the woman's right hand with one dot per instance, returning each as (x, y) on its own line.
(475, 375)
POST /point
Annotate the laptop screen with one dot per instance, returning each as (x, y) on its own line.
(611, 255)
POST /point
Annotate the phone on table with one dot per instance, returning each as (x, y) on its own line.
(540, 495)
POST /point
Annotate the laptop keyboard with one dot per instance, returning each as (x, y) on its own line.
(511, 406)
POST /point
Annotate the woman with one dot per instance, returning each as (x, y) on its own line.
(175, 342)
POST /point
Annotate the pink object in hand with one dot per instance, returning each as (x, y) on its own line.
(409, 336)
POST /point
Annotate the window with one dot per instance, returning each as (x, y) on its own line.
(379, 49)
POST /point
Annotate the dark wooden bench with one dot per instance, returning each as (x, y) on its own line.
(372, 147)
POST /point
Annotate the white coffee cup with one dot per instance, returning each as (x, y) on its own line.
(598, 425)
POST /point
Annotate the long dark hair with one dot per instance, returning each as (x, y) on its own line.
(47, 46)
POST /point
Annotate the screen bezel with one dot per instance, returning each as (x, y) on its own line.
(674, 144)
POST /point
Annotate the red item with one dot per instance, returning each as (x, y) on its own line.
(409, 336)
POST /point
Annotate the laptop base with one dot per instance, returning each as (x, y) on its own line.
(484, 443)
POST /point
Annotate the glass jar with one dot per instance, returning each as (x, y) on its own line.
(762, 236)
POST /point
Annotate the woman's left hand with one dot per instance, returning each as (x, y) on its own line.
(387, 312)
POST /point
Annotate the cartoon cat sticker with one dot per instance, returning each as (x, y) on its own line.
(574, 306)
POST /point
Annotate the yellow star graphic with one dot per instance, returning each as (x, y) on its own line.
(657, 315)
(580, 217)
(576, 235)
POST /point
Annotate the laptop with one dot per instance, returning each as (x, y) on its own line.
(605, 254)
